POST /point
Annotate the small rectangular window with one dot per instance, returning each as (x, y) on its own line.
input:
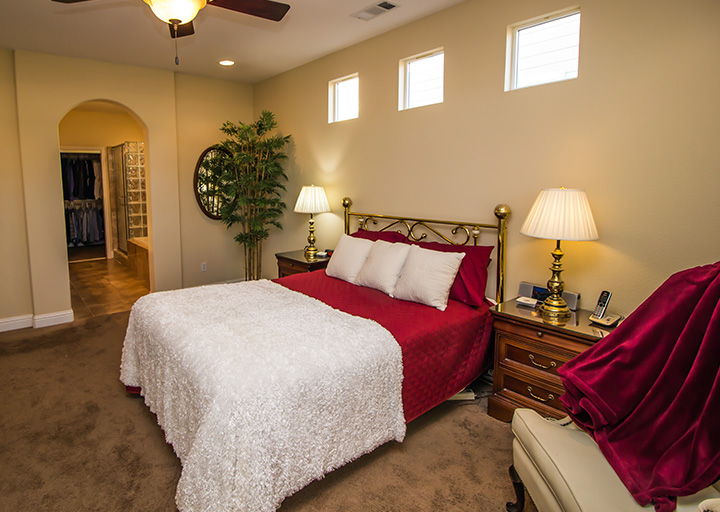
(422, 80)
(344, 98)
(543, 50)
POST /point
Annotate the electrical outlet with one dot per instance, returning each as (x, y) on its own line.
(203, 267)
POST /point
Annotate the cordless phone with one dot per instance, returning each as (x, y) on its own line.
(602, 304)
(598, 316)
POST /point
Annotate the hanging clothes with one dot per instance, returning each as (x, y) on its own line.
(82, 176)
(82, 191)
(84, 223)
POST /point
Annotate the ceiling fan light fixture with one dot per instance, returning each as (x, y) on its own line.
(171, 10)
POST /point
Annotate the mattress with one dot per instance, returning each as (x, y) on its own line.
(442, 351)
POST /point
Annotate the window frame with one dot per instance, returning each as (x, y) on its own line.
(333, 98)
(404, 83)
(511, 71)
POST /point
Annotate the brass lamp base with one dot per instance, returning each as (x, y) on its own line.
(311, 253)
(310, 250)
(554, 310)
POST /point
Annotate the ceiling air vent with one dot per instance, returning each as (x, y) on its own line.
(374, 10)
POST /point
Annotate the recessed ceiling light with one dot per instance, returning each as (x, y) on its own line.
(227, 62)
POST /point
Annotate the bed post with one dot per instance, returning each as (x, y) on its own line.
(347, 203)
(502, 211)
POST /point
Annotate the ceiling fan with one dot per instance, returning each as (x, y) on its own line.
(178, 14)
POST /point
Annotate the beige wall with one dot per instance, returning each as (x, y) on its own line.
(203, 106)
(637, 130)
(47, 88)
(16, 297)
(82, 128)
(39, 90)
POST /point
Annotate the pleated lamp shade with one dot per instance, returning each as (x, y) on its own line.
(312, 199)
(560, 214)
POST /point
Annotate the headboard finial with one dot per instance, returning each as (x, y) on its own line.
(502, 211)
(347, 203)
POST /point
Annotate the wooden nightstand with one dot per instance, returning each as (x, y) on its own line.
(294, 262)
(528, 353)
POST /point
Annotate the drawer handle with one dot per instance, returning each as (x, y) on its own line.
(540, 399)
(532, 360)
(540, 334)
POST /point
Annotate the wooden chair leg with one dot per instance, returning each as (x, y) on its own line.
(519, 504)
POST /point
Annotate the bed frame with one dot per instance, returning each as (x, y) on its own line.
(460, 233)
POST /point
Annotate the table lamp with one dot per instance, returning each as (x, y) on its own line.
(559, 214)
(312, 200)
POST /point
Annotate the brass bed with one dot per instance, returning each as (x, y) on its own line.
(417, 229)
(208, 361)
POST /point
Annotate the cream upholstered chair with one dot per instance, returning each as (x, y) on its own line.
(564, 471)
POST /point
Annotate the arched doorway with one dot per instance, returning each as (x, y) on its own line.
(102, 165)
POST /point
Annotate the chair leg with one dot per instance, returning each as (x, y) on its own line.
(519, 504)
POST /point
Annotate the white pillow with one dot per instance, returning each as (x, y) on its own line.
(348, 258)
(383, 266)
(428, 276)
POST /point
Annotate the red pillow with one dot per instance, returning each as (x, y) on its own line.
(471, 280)
(387, 236)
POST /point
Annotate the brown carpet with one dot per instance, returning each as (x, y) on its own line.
(72, 440)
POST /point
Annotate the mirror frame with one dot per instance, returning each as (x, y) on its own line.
(198, 166)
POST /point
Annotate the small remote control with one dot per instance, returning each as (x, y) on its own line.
(527, 301)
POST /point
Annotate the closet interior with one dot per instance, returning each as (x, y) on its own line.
(84, 211)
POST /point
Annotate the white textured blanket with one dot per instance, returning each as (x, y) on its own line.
(260, 389)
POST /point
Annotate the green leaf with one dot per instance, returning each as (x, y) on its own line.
(251, 178)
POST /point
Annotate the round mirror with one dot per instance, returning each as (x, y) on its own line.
(206, 181)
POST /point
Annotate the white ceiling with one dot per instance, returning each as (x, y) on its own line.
(126, 32)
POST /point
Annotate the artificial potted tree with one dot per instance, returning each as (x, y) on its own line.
(251, 183)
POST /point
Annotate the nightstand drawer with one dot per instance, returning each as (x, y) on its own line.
(543, 337)
(538, 394)
(514, 389)
(287, 268)
(530, 355)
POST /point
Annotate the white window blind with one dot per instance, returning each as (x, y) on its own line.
(546, 51)
(344, 98)
(422, 80)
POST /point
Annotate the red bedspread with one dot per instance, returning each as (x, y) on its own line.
(443, 351)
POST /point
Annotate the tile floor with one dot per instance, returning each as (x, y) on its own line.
(103, 286)
(87, 252)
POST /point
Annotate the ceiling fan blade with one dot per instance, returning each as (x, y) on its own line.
(186, 29)
(266, 9)
(69, 1)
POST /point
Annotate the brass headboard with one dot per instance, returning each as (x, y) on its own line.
(417, 229)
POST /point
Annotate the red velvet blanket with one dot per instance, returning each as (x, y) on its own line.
(649, 393)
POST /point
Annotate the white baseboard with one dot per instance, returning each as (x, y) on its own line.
(15, 322)
(60, 317)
